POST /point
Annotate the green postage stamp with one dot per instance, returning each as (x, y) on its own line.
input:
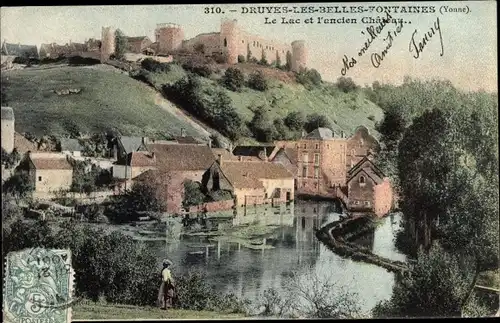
(38, 286)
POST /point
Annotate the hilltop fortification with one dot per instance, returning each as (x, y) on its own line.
(231, 40)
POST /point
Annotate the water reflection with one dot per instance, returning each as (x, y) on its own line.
(247, 272)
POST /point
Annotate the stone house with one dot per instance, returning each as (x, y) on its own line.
(71, 147)
(288, 157)
(50, 172)
(251, 182)
(359, 145)
(138, 44)
(124, 145)
(368, 189)
(134, 164)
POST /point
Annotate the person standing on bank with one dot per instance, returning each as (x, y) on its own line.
(167, 287)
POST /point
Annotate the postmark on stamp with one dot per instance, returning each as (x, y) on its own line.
(38, 286)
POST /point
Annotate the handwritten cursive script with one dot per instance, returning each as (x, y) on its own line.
(377, 58)
(418, 48)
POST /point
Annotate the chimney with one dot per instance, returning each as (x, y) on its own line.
(240, 158)
(183, 132)
(265, 153)
(303, 133)
(342, 135)
(219, 159)
(209, 143)
(145, 140)
(153, 155)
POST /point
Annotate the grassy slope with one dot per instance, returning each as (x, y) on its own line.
(346, 111)
(95, 311)
(108, 100)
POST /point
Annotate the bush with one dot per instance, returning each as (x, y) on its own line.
(257, 81)
(346, 84)
(308, 78)
(233, 79)
(152, 65)
(241, 59)
(192, 194)
(295, 120)
(315, 121)
(78, 60)
(143, 76)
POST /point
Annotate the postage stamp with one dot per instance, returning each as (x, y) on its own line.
(38, 286)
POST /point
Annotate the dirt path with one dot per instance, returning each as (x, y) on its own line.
(170, 107)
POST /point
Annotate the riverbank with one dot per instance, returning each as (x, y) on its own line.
(96, 311)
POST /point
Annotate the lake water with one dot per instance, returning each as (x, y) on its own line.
(248, 273)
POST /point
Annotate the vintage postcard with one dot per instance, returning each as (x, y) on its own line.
(242, 161)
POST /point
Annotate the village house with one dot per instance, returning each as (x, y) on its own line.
(124, 145)
(368, 189)
(127, 168)
(361, 144)
(71, 147)
(287, 157)
(48, 171)
(254, 153)
(251, 182)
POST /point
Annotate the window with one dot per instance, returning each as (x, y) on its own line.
(242, 41)
(305, 146)
(316, 159)
(317, 146)
(357, 203)
(315, 185)
(303, 184)
(305, 158)
(265, 196)
(328, 146)
(254, 43)
(316, 172)
(367, 203)
(304, 171)
(225, 42)
(39, 178)
(362, 180)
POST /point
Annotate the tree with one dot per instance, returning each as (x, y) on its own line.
(192, 194)
(257, 81)
(249, 53)
(281, 131)
(261, 126)
(263, 59)
(437, 285)
(278, 60)
(10, 160)
(233, 79)
(199, 48)
(19, 185)
(315, 121)
(121, 44)
(241, 59)
(288, 65)
(216, 141)
(308, 78)
(83, 181)
(295, 120)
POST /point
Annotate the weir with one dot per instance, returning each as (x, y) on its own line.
(335, 237)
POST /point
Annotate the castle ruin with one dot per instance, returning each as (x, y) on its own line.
(231, 41)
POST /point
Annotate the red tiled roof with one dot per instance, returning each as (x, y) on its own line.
(182, 157)
(51, 163)
(246, 174)
(141, 159)
(22, 144)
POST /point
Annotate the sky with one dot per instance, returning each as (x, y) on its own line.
(469, 39)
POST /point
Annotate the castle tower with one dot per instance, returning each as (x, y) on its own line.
(107, 43)
(229, 35)
(169, 37)
(8, 129)
(299, 55)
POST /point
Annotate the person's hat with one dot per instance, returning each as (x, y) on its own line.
(167, 262)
